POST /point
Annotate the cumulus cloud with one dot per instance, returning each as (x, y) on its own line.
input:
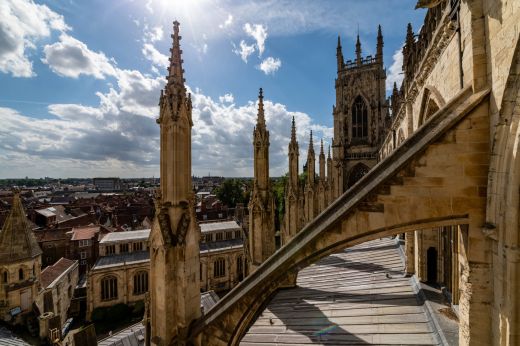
(154, 56)
(149, 51)
(259, 33)
(244, 50)
(227, 22)
(270, 65)
(154, 34)
(23, 24)
(395, 71)
(227, 98)
(222, 135)
(70, 57)
(114, 136)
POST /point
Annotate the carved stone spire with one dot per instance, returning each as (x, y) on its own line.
(260, 121)
(261, 239)
(294, 153)
(322, 162)
(358, 52)
(175, 234)
(311, 159)
(175, 76)
(339, 55)
(380, 44)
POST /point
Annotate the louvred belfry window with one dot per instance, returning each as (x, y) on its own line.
(359, 119)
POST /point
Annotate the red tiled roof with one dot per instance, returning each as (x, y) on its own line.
(83, 233)
(51, 273)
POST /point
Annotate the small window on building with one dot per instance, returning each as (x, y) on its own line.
(220, 215)
(20, 274)
(83, 262)
(204, 217)
(209, 237)
(137, 246)
(83, 255)
(201, 271)
(123, 248)
(219, 268)
(229, 235)
(238, 234)
(110, 249)
(219, 236)
(84, 243)
(140, 282)
(69, 292)
(109, 288)
(5, 278)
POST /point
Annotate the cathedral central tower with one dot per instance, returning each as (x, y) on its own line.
(359, 115)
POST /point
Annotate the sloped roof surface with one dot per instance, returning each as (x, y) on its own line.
(17, 241)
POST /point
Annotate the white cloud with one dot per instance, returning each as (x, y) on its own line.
(259, 33)
(395, 71)
(115, 138)
(23, 24)
(152, 54)
(222, 136)
(70, 58)
(149, 6)
(227, 22)
(270, 65)
(227, 98)
(154, 34)
(244, 51)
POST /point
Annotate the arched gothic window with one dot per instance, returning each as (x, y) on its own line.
(359, 119)
(20, 274)
(5, 277)
(356, 173)
(109, 288)
(140, 282)
(219, 267)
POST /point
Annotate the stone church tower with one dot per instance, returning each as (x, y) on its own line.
(292, 207)
(261, 205)
(359, 115)
(174, 238)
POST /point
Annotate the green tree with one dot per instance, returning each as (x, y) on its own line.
(231, 192)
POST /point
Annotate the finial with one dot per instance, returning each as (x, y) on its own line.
(175, 77)
(321, 148)
(261, 117)
(311, 143)
(328, 154)
(293, 131)
(339, 55)
(409, 34)
(339, 42)
(358, 51)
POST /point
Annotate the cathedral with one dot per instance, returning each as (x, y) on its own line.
(436, 161)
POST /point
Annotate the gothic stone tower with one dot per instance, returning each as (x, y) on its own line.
(292, 210)
(359, 115)
(174, 238)
(261, 205)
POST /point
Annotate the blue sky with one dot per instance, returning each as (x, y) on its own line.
(80, 81)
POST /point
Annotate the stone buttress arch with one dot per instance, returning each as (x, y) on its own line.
(417, 186)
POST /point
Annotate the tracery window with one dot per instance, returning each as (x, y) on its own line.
(219, 268)
(109, 288)
(356, 173)
(140, 282)
(359, 119)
